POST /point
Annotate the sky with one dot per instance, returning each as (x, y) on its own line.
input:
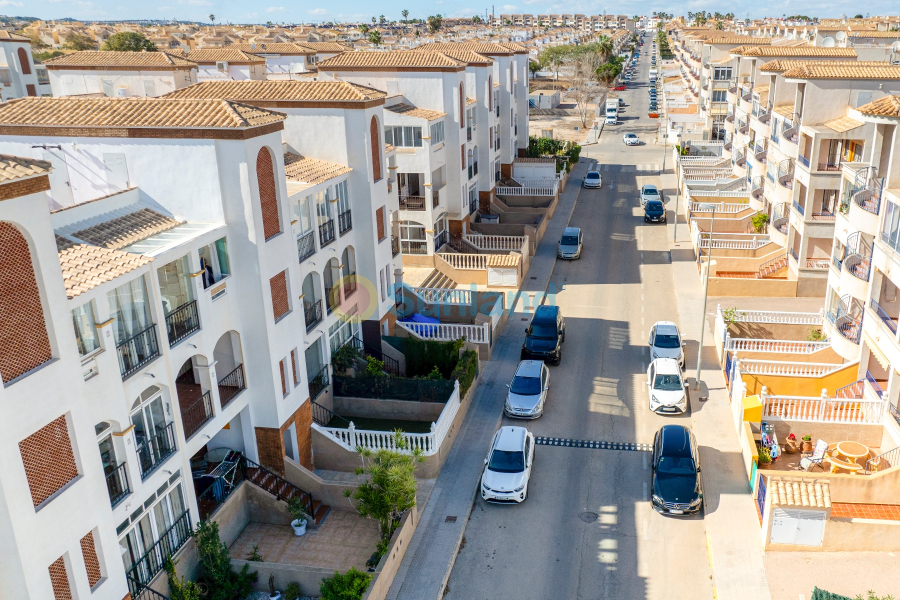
(321, 11)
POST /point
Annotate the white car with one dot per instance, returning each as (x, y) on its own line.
(528, 390)
(508, 466)
(665, 342)
(649, 192)
(666, 387)
(631, 139)
(592, 180)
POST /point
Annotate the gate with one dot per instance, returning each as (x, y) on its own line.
(761, 496)
(728, 368)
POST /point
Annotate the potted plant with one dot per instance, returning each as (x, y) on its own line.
(292, 591)
(298, 511)
(791, 445)
(806, 445)
(765, 458)
(273, 593)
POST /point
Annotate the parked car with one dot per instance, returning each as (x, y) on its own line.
(545, 336)
(654, 210)
(592, 180)
(507, 467)
(570, 243)
(649, 192)
(631, 139)
(620, 87)
(665, 342)
(677, 488)
(665, 386)
(528, 390)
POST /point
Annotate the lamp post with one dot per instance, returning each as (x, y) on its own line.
(677, 190)
(712, 223)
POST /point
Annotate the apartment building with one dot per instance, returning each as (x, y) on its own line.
(19, 75)
(170, 307)
(283, 60)
(222, 64)
(148, 74)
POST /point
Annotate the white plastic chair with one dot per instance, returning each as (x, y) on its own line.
(816, 458)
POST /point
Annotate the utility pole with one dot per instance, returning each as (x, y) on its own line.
(712, 223)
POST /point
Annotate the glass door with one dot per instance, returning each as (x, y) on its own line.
(150, 432)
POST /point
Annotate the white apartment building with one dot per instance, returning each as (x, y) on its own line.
(283, 60)
(224, 64)
(19, 75)
(148, 74)
(169, 307)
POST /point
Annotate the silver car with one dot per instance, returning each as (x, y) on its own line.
(528, 390)
(570, 243)
(665, 342)
(649, 192)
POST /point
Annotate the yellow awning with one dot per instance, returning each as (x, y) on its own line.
(876, 352)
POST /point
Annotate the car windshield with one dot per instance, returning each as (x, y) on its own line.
(569, 240)
(667, 383)
(543, 332)
(507, 461)
(593, 175)
(650, 192)
(526, 386)
(630, 136)
(654, 206)
(666, 340)
(676, 465)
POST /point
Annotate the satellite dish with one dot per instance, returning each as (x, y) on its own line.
(828, 42)
(841, 36)
(895, 47)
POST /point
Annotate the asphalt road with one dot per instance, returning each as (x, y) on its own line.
(587, 529)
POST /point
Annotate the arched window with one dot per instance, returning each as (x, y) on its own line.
(24, 342)
(23, 60)
(375, 138)
(412, 238)
(462, 106)
(268, 197)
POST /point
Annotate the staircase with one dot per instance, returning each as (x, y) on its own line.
(438, 280)
(283, 489)
(774, 268)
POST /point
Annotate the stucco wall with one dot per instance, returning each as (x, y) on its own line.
(390, 563)
(374, 408)
(782, 385)
(772, 288)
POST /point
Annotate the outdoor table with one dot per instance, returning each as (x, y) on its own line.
(837, 463)
(852, 450)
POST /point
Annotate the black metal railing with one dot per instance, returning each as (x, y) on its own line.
(332, 299)
(137, 351)
(182, 322)
(473, 205)
(318, 383)
(441, 239)
(324, 417)
(117, 485)
(391, 365)
(306, 245)
(231, 385)
(155, 449)
(145, 593)
(312, 312)
(345, 223)
(195, 414)
(326, 233)
(220, 487)
(395, 246)
(147, 566)
(275, 484)
(414, 247)
(412, 202)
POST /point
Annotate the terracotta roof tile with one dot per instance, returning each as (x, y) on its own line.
(313, 171)
(458, 52)
(12, 37)
(249, 91)
(876, 34)
(842, 124)
(794, 51)
(780, 66)
(888, 106)
(824, 71)
(737, 39)
(133, 112)
(484, 49)
(388, 148)
(327, 47)
(227, 54)
(128, 229)
(411, 111)
(85, 267)
(112, 60)
(273, 48)
(411, 60)
(470, 101)
(790, 491)
(785, 110)
(16, 167)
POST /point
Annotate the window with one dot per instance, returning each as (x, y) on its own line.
(302, 213)
(718, 96)
(48, 460)
(130, 309)
(341, 332)
(343, 197)
(24, 61)
(853, 151)
(406, 137)
(214, 262)
(163, 526)
(375, 141)
(722, 73)
(381, 281)
(85, 333)
(294, 371)
(437, 132)
(174, 286)
(379, 222)
(268, 197)
(281, 369)
(412, 238)
(281, 304)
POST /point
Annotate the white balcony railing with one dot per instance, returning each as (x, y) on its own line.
(448, 332)
(727, 208)
(778, 346)
(791, 369)
(495, 242)
(824, 410)
(774, 316)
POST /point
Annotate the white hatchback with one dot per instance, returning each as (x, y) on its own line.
(507, 467)
(665, 342)
(665, 386)
(631, 139)
(592, 180)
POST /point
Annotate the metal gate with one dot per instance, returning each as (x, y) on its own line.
(728, 368)
(761, 496)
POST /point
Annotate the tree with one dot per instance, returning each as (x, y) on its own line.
(128, 41)
(720, 26)
(268, 23)
(79, 42)
(381, 20)
(215, 564)
(476, 19)
(533, 68)
(374, 20)
(434, 23)
(375, 37)
(212, 19)
(405, 14)
(553, 58)
(38, 44)
(349, 586)
(585, 75)
(858, 16)
(364, 28)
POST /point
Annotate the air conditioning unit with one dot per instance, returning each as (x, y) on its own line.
(222, 65)
(121, 92)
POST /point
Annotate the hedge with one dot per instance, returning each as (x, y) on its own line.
(423, 355)
(394, 388)
(466, 370)
(823, 595)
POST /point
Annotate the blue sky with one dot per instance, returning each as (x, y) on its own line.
(361, 10)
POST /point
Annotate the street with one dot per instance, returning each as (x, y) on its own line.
(587, 529)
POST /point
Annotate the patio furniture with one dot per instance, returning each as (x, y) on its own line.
(837, 464)
(878, 462)
(852, 450)
(816, 457)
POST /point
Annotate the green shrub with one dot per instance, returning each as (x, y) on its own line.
(465, 371)
(422, 356)
(349, 586)
(345, 357)
(224, 584)
(180, 588)
(292, 591)
(759, 220)
(374, 367)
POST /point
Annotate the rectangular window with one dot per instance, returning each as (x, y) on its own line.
(722, 73)
(214, 262)
(405, 137)
(342, 196)
(379, 220)
(129, 306)
(381, 281)
(718, 96)
(302, 213)
(85, 332)
(174, 285)
(437, 132)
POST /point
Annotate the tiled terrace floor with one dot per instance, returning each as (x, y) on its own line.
(343, 540)
(885, 512)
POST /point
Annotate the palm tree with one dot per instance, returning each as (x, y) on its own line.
(405, 14)
(212, 19)
(374, 20)
(381, 20)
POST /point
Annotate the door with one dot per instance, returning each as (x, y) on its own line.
(797, 527)
(116, 171)
(149, 431)
(502, 277)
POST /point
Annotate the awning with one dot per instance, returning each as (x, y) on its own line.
(876, 352)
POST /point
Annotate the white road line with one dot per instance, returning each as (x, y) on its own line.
(646, 462)
(646, 497)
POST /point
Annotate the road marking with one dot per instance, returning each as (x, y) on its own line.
(645, 491)
(646, 463)
(592, 444)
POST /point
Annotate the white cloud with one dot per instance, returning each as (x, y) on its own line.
(196, 2)
(164, 8)
(275, 9)
(11, 3)
(318, 11)
(508, 7)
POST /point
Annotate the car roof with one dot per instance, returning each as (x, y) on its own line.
(676, 440)
(666, 327)
(530, 368)
(545, 312)
(667, 366)
(571, 231)
(647, 187)
(631, 134)
(510, 438)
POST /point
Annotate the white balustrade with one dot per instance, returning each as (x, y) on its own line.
(727, 208)
(445, 295)
(468, 262)
(526, 191)
(825, 410)
(719, 193)
(792, 369)
(735, 244)
(495, 242)
(783, 346)
(774, 316)
(446, 332)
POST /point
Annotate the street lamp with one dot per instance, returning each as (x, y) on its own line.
(677, 189)
(712, 223)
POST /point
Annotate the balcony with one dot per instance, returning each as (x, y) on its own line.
(890, 322)
(350, 285)
(326, 233)
(231, 385)
(868, 199)
(117, 485)
(312, 312)
(306, 245)
(318, 383)
(441, 239)
(153, 450)
(743, 127)
(829, 166)
(412, 202)
(792, 135)
(395, 246)
(418, 247)
(803, 161)
(435, 198)
(799, 208)
(345, 223)
(137, 351)
(145, 568)
(182, 322)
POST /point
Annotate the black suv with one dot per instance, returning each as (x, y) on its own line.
(545, 336)
(676, 471)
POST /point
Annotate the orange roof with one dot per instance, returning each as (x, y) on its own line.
(391, 60)
(85, 267)
(888, 106)
(227, 54)
(273, 48)
(268, 90)
(16, 167)
(793, 51)
(313, 171)
(119, 60)
(825, 71)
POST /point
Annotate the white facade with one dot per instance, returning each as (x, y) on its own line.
(19, 75)
(119, 82)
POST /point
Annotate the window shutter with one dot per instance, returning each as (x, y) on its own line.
(283, 378)
(294, 367)
(48, 460)
(379, 219)
(91, 562)
(462, 156)
(280, 303)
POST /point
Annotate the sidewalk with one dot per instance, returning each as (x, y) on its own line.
(426, 566)
(732, 526)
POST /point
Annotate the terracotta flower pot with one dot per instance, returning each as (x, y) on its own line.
(790, 447)
(765, 465)
(806, 446)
